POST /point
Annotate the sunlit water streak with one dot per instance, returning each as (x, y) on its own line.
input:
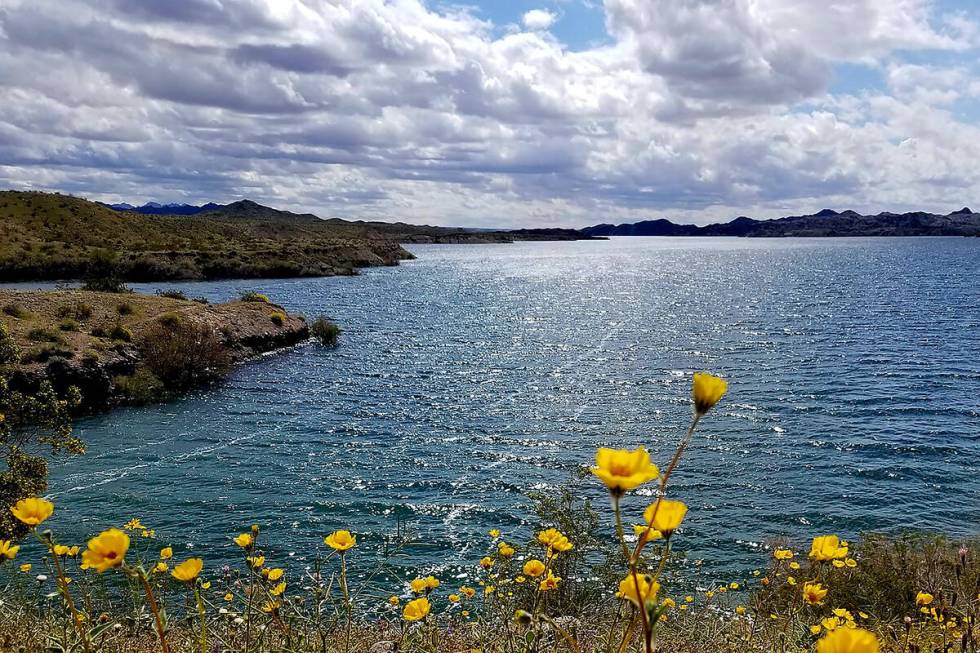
(474, 373)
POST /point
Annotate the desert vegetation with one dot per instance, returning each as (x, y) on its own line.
(583, 580)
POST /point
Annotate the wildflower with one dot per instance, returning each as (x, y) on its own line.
(340, 540)
(848, 640)
(278, 589)
(740, 610)
(60, 550)
(454, 598)
(160, 567)
(689, 599)
(555, 540)
(765, 581)
(549, 582)
(188, 570)
(468, 592)
(533, 568)
(839, 564)
(133, 524)
(166, 553)
(794, 565)
(844, 614)
(646, 533)
(431, 582)
(417, 585)
(827, 547)
(256, 561)
(923, 598)
(270, 606)
(489, 589)
(244, 540)
(520, 579)
(106, 550)
(707, 391)
(665, 515)
(791, 580)
(733, 586)
(393, 600)
(149, 533)
(815, 629)
(275, 574)
(638, 589)
(622, 470)
(228, 597)
(851, 562)
(32, 511)
(26, 567)
(505, 550)
(813, 593)
(8, 550)
(669, 603)
(709, 594)
(417, 609)
(782, 554)
(494, 533)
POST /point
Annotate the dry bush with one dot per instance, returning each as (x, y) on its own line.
(184, 354)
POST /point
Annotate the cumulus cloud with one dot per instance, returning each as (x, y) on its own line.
(699, 109)
(539, 19)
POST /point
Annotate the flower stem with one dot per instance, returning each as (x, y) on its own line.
(154, 608)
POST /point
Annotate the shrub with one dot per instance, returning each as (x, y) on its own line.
(125, 308)
(68, 324)
(39, 334)
(172, 294)
(119, 332)
(200, 300)
(141, 387)
(105, 284)
(252, 296)
(325, 331)
(278, 318)
(15, 310)
(9, 352)
(44, 353)
(170, 319)
(76, 311)
(184, 355)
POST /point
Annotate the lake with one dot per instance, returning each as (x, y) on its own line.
(475, 373)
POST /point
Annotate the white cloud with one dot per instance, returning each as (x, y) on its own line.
(539, 19)
(698, 109)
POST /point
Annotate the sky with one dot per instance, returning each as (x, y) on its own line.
(504, 113)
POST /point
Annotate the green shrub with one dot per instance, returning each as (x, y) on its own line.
(325, 331)
(170, 319)
(185, 355)
(172, 294)
(16, 310)
(39, 334)
(44, 353)
(125, 308)
(68, 324)
(141, 387)
(252, 296)
(76, 311)
(90, 356)
(105, 284)
(8, 348)
(119, 332)
(278, 318)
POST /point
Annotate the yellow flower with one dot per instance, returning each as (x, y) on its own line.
(665, 515)
(8, 550)
(486, 562)
(244, 540)
(782, 554)
(689, 599)
(740, 610)
(669, 603)
(827, 547)
(923, 598)
(844, 614)
(454, 598)
(815, 629)
(851, 562)
(645, 533)
(505, 550)
(188, 570)
(26, 567)
(707, 391)
(417, 609)
(106, 550)
(554, 540)
(278, 589)
(791, 580)
(733, 586)
(32, 511)
(418, 585)
(549, 582)
(256, 561)
(74, 550)
(848, 640)
(228, 596)
(60, 550)
(533, 568)
(134, 524)
(206, 585)
(794, 565)
(149, 533)
(622, 470)
(340, 540)
(275, 574)
(160, 567)
(813, 593)
(270, 606)
(166, 553)
(494, 532)
(393, 600)
(431, 582)
(468, 592)
(639, 589)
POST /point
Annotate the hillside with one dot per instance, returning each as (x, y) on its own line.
(824, 223)
(51, 236)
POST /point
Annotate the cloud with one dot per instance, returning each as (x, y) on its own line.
(698, 109)
(539, 19)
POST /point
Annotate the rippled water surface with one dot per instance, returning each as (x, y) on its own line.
(476, 372)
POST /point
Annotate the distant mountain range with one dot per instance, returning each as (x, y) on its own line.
(154, 208)
(824, 223)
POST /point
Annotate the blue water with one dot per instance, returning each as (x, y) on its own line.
(474, 373)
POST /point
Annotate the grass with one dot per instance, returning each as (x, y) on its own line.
(578, 579)
(325, 331)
